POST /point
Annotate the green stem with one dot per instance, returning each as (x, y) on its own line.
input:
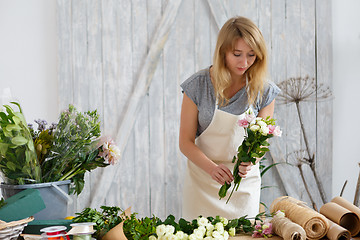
(232, 191)
(66, 176)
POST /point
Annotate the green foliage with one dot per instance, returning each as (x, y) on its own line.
(18, 159)
(64, 152)
(143, 228)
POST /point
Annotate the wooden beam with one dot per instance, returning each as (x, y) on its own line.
(218, 11)
(140, 90)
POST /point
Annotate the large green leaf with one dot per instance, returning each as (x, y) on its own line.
(19, 140)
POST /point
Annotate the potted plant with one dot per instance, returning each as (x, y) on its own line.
(57, 155)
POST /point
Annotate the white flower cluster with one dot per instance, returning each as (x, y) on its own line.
(206, 230)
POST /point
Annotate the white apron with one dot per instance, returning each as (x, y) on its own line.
(219, 142)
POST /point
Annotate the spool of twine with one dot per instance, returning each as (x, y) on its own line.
(314, 224)
(346, 204)
(285, 228)
(342, 217)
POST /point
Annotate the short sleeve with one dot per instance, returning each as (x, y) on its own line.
(191, 87)
(270, 93)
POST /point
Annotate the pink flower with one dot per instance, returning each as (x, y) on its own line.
(243, 123)
(256, 234)
(271, 128)
(108, 150)
(277, 132)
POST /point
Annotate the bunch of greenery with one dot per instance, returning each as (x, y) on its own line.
(64, 151)
(18, 160)
(143, 228)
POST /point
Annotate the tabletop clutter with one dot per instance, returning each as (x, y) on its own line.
(337, 219)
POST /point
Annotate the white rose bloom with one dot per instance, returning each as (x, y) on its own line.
(209, 233)
(226, 235)
(280, 213)
(219, 227)
(152, 237)
(224, 221)
(210, 227)
(254, 128)
(208, 238)
(261, 123)
(202, 221)
(172, 237)
(199, 233)
(160, 230)
(169, 229)
(264, 130)
(216, 235)
(232, 231)
(180, 234)
(192, 237)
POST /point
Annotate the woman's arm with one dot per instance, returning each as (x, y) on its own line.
(188, 128)
(263, 113)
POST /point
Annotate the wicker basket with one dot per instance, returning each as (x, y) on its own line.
(11, 230)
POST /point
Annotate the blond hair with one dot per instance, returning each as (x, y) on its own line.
(234, 29)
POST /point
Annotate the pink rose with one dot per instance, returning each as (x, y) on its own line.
(271, 128)
(243, 123)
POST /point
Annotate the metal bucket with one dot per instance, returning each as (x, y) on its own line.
(54, 194)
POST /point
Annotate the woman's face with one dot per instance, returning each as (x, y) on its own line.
(240, 59)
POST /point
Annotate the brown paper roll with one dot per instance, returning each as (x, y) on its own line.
(342, 217)
(314, 224)
(346, 204)
(285, 228)
(337, 232)
(117, 232)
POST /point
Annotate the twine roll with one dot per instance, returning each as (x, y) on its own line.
(337, 232)
(314, 224)
(285, 228)
(342, 217)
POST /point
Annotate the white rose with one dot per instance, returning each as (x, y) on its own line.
(216, 235)
(210, 227)
(199, 233)
(232, 231)
(261, 123)
(224, 221)
(169, 229)
(264, 130)
(254, 128)
(208, 238)
(192, 237)
(202, 229)
(180, 234)
(202, 221)
(226, 235)
(219, 227)
(160, 230)
(152, 237)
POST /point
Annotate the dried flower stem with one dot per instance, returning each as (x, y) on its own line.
(306, 186)
(311, 159)
(357, 191)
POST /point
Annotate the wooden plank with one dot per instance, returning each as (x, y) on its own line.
(141, 159)
(184, 40)
(157, 121)
(323, 28)
(143, 82)
(219, 12)
(65, 77)
(278, 59)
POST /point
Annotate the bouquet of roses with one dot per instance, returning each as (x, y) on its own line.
(254, 146)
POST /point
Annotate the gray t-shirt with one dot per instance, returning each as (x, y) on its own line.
(200, 90)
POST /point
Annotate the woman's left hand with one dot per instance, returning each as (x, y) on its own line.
(244, 168)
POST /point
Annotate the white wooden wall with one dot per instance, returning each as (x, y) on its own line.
(127, 59)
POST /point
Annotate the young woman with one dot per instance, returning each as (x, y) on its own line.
(213, 100)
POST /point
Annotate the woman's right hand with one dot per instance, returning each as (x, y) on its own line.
(221, 174)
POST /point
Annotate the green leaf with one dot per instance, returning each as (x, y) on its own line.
(13, 127)
(11, 166)
(3, 148)
(19, 140)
